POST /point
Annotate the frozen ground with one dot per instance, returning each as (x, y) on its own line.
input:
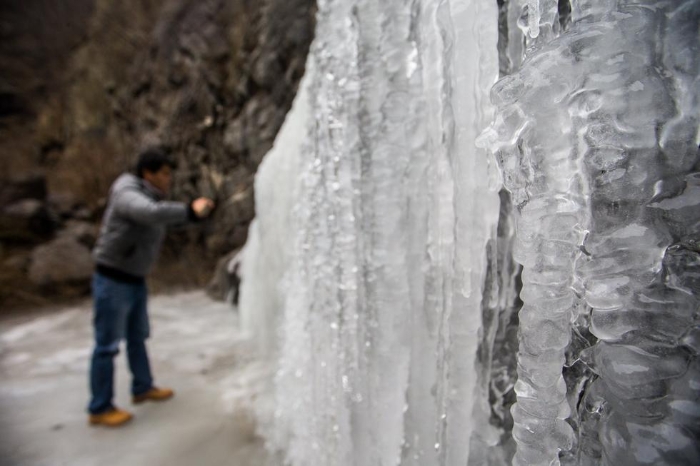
(195, 348)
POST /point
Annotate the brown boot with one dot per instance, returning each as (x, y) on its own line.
(154, 394)
(115, 417)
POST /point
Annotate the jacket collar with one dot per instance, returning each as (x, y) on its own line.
(157, 193)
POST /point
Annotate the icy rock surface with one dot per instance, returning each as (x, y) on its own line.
(598, 141)
(379, 276)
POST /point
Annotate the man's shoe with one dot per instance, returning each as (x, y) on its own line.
(115, 417)
(154, 394)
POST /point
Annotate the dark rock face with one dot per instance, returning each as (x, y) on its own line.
(30, 186)
(87, 84)
(26, 221)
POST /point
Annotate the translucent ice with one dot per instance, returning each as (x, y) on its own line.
(605, 211)
(379, 277)
(384, 252)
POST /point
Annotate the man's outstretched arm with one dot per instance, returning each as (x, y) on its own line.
(142, 209)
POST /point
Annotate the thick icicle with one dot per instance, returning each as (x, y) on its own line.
(599, 232)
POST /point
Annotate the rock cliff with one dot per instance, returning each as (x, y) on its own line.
(87, 83)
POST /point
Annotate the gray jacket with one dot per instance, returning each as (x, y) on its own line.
(133, 226)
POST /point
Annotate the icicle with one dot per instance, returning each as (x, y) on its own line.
(533, 17)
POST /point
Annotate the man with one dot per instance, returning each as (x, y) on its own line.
(132, 230)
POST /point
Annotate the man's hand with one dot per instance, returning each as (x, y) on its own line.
(202, 207)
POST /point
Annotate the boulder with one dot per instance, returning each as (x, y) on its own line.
(84, 233)
(61, 262)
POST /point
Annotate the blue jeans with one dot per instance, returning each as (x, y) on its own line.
(119, 312)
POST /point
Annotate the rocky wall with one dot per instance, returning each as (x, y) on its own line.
(87, 83)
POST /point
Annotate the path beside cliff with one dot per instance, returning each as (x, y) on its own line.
(196, 348)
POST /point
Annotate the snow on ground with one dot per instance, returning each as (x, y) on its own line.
(195, 347)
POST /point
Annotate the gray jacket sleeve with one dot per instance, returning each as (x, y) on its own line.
(140, 208)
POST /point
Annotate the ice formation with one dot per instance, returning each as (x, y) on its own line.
(379, 275)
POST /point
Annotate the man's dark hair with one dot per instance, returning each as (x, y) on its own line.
(152, 160)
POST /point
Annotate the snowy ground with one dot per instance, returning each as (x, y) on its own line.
(195, 348)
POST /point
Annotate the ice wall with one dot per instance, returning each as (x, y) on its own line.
(378, 277)
(385, 249)
(266, 254)
(607, 227)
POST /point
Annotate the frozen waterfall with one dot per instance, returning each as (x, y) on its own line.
(409, 184)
